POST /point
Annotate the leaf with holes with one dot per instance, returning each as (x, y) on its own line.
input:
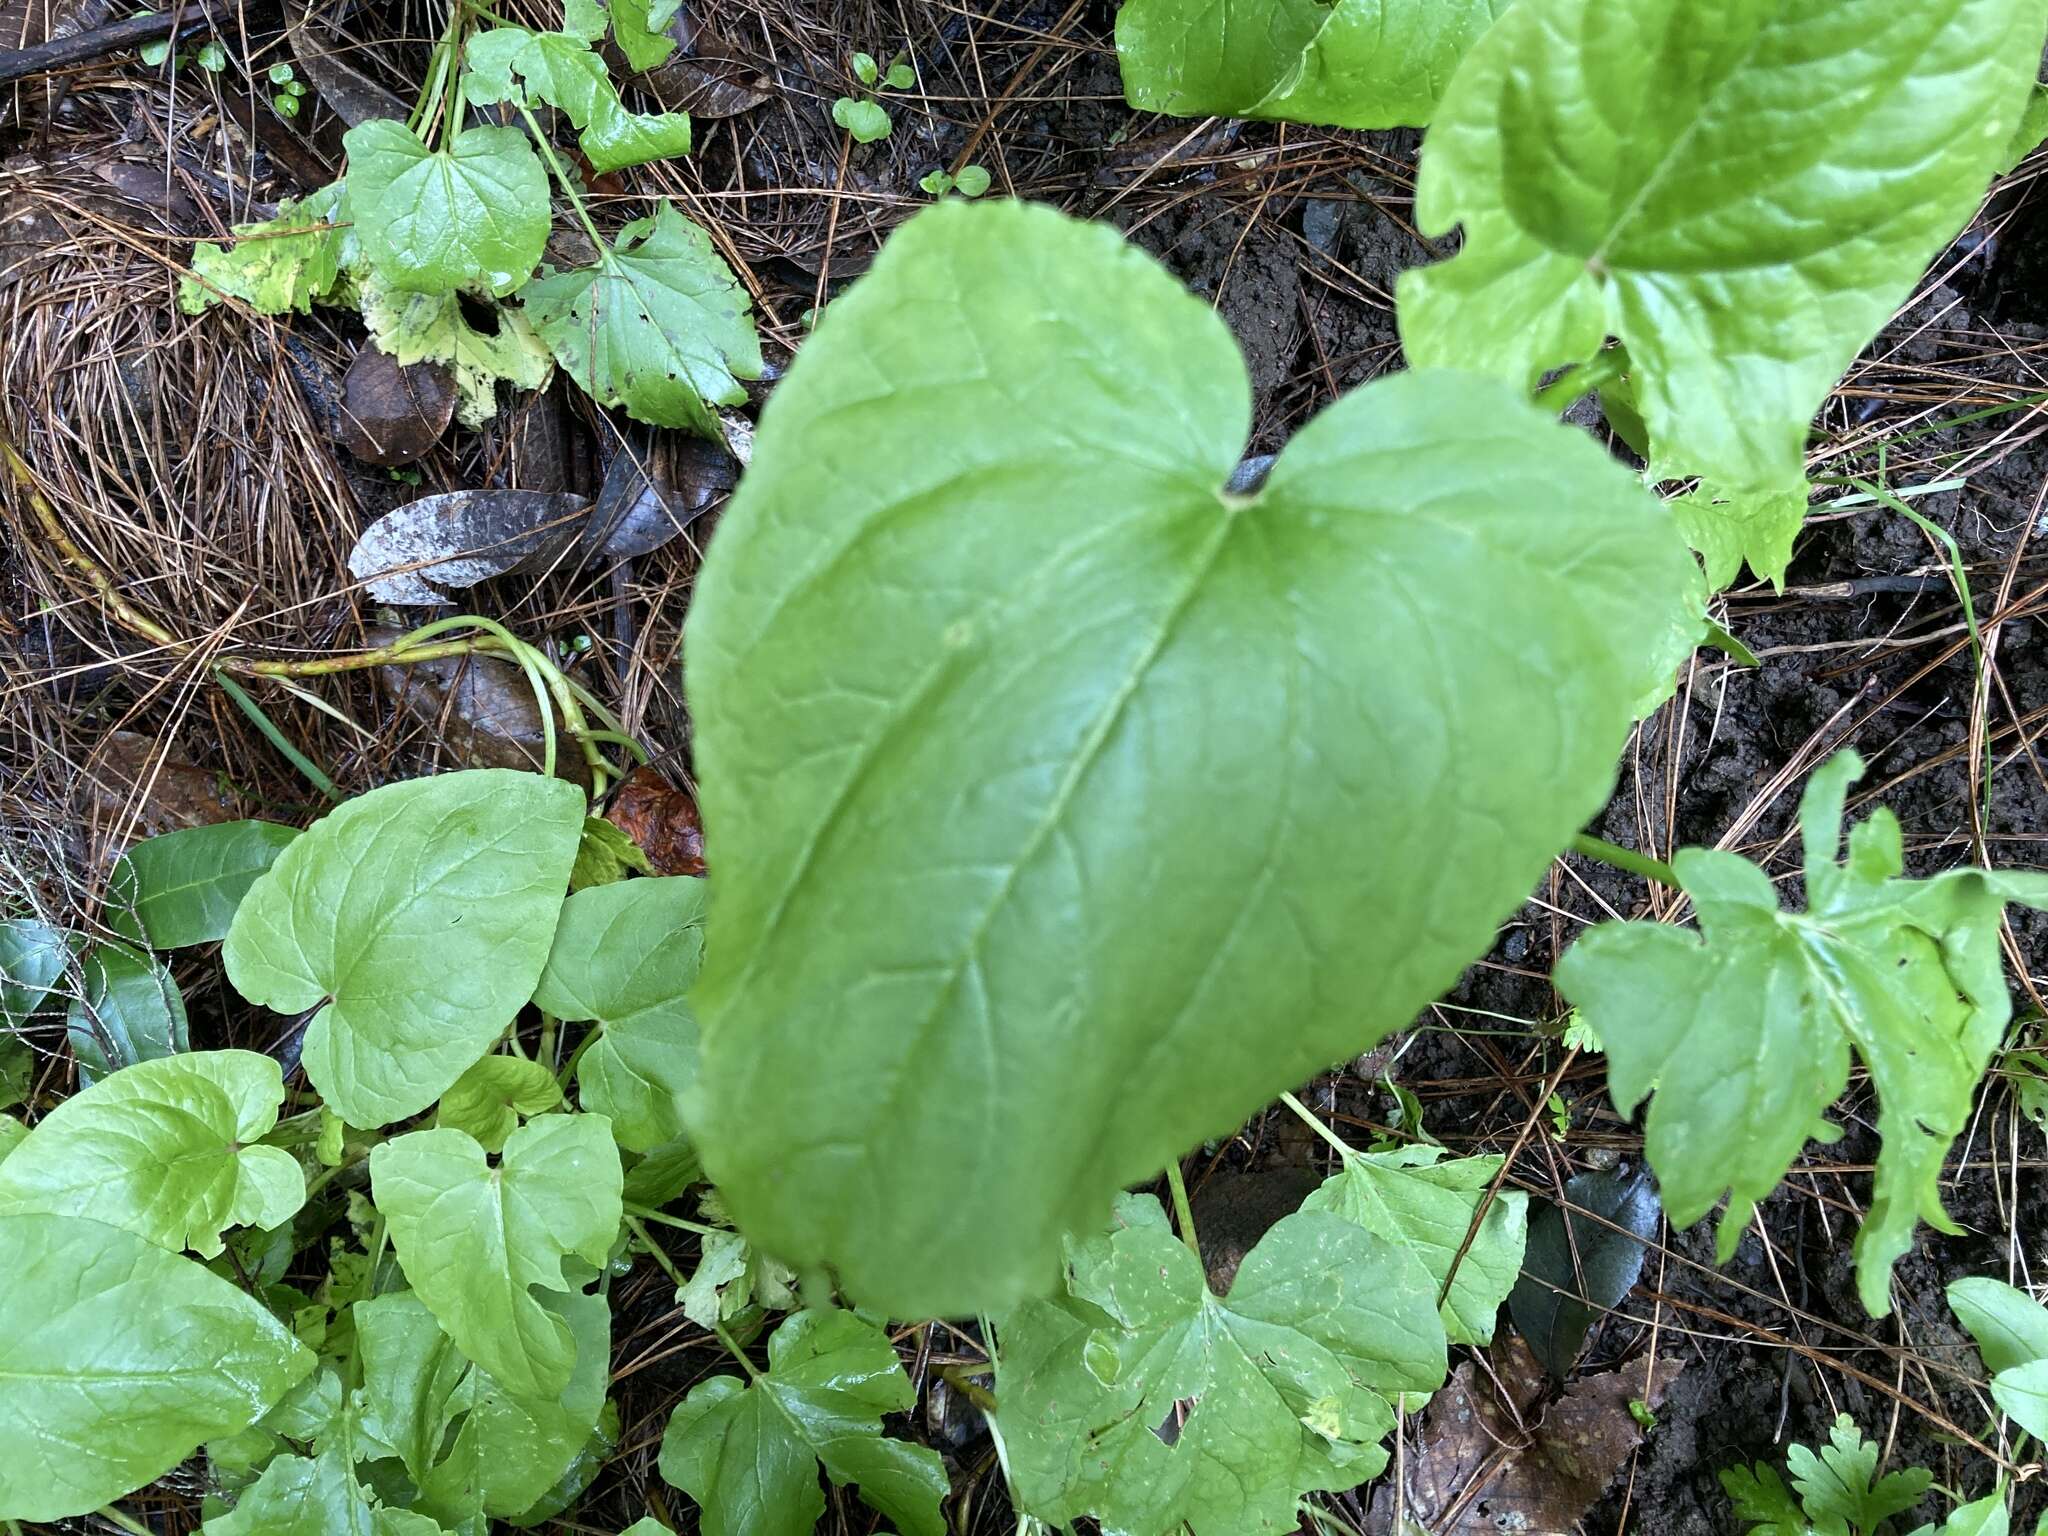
(1744, 1030)
(969, 845)
(659, 325)
(1339, 63)
(1143, 1399)
(749, 1451)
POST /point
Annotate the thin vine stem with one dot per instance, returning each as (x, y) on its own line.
(1625, 859)
(1183, 1213)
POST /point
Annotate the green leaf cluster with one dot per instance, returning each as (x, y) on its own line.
(657, 324)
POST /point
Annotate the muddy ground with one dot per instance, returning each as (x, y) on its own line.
(1297, 237)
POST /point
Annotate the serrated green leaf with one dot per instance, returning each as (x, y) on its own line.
(165, 1150)
(1744, 1031)
(491, 1098)
(1743, 192)
(564, 72)
(1839, 1485)
(1729, 527)
(33, 957)
(1760, 1495)
(929, 814)
(1281, 1388)
(749, 1453)
(181, 888)
(1425, 1208)
(431, 327)
(627, 955)
(659, 325)
(118, 1360)
(867, 121)
(278, 266)
(1340, 63)
(419, 914)
(130, 1010)
(474, 215)
(475, 1239)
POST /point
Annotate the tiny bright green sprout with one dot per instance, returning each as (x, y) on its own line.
(213, 58)
(280, 73)
(865, 120)
(972, 181)
(865, 69)
(901, 77)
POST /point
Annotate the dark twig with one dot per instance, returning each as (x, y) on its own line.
(82, 47)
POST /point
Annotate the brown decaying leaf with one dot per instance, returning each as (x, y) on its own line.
(135, 786)
(394, 413)
(662, 820)
(1493, 1458)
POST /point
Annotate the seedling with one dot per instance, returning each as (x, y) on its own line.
(864, 116)
(972, 181)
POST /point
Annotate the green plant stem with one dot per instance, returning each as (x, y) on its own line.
(547, 153)
(735, 1351)
(648, 1213)
(308, 769)
(1183, 1213)
(568, 1071)
(655, 1251)
(1625, 859)
(1314, 1122)
(114, 1516)
(546, 1051)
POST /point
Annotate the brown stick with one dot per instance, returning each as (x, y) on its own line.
(58, 52)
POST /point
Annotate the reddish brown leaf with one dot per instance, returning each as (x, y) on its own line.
(662, 820)
(391, 413)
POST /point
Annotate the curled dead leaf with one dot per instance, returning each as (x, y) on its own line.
(662, 820)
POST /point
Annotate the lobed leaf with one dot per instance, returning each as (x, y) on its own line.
(970, 846)
(475, 1239)
(416, 919)
(1744, 1031)
(278, 266)
(749, 1452)
(659, 325)
(1339, 63)
(1146, 1401)
(117, 1360)
(473, 215)
(1425, 1209)
(164, 1149)
(563, 71)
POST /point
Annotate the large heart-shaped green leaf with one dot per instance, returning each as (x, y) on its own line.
(1345, 63)
(474, 1239)
(626, 955)
(1068, 806)
(472, 215)
(165, 1149)
(1742, 191)
(419, 915)
(117, 1358)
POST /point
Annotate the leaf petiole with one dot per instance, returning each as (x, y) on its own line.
(1183, 1213)
(1626, 860)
